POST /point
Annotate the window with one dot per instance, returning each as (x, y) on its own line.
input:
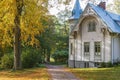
(71, 48)
(86, 48)
(97, 49)
(91, 26)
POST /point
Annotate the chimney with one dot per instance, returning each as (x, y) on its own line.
(102, 5)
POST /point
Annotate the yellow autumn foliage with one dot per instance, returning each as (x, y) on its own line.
(32, 19)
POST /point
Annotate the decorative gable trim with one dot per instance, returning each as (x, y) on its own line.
(88, 11)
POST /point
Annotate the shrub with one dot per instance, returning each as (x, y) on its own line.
(1, 55)
(103, 64)
(60, 56)
(117, 62)
(7, 61)
(30, 58)
(108, 64)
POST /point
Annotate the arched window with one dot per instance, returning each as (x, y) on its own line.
(91, 26)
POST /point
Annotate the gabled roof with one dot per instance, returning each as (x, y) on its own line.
(108, 18)
(76, 12)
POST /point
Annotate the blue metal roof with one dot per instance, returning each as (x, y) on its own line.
(76, 12)
(108, 18)
(115, 17)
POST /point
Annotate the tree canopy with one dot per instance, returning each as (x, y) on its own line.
(34, 13)
(20, 22)
(117, 6)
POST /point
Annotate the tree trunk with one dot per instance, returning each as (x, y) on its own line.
(17, 49)
(48, 57)
(17, 35)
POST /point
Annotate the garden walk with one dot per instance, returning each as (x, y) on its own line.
(59, 73)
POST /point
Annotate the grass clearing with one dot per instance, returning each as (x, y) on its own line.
(27, 74)
(97, 73)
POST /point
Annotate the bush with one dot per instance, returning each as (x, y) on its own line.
(103, 64)
(60, 56)
(1, 55)
(30, 58)
(108, 64)
(7, 61)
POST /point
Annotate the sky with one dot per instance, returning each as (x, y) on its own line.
(54, 10)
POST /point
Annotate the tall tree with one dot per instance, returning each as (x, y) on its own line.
(21, 20)
(17, 35)
(47, 38)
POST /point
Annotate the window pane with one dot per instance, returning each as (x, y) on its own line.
(86, 46)
(97, 47)
(71, 48)
(91, 26)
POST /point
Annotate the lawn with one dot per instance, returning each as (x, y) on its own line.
(97, 73)
(27, 74)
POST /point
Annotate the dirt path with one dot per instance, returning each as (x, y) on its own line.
(59, 73)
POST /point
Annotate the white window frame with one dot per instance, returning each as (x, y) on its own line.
(91, 26)
(97, 48)
(86, 48)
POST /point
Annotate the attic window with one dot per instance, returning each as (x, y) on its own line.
(91, 26)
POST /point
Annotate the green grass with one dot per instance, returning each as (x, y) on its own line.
(97, 73)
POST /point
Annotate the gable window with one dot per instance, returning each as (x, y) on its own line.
(97, 49)
(86, 48)
(91, 26)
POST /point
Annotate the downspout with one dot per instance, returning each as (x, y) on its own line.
(74, 54)
(112, 56)
(74, 50)
(81, 45)
(104, 47)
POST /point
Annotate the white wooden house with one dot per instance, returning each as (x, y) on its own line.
(94, 36)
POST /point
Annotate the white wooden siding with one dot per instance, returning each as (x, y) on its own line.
(116, 49)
